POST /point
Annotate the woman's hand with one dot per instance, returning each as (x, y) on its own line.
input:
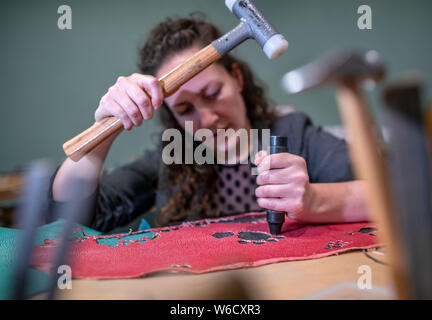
(283, 184)
(128, 100)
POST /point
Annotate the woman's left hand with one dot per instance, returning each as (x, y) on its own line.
(283, 184)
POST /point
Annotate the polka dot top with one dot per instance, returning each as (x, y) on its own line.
(236, 187)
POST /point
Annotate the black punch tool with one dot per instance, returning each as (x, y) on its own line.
(275, 219)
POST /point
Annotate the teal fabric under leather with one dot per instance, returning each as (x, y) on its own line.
(38, 281)
(144, 225)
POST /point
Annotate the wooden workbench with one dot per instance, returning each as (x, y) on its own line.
(333, 277)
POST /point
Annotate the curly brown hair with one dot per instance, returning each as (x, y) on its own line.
(166, 39)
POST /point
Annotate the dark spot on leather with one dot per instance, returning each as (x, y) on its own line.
(252, 235)
(243, 241)
(220, 235)
(367, 230)
(271, 240)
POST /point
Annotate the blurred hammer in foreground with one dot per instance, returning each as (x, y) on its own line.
(31, 212)
(409, 162)
(347, 70)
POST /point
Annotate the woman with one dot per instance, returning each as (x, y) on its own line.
(313, 182)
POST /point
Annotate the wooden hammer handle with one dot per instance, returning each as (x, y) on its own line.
(83, 143)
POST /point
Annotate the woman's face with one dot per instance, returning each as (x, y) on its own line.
(212, 99)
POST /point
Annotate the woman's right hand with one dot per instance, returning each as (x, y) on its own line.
(128, 100)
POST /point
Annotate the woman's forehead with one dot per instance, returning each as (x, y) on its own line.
(206, 80)
(210, 76)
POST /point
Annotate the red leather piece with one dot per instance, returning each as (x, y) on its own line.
(208, 245)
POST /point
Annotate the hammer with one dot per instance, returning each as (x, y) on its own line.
(411, 177)
(252, 25)
(347, 70)
(28, 218)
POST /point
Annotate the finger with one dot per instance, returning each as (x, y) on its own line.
(125, 102)
(112, 108)
(278, 191)
(102, 112)
(259, 157)
(278, 160)
(272, 204)
(139, 97)
(293, 206)
(153, 87)
(283, 176)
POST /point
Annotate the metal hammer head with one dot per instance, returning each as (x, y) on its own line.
(252, 25)
(339, 67)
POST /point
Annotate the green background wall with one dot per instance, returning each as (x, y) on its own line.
(51, 80)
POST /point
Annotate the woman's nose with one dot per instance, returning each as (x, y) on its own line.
(207, 117)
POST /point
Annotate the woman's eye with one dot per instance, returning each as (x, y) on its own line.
(213, 95)
(186, 110)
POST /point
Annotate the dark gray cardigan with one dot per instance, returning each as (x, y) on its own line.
(132, 190)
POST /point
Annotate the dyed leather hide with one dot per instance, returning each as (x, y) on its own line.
(206, 245)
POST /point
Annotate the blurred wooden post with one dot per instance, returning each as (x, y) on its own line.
(369, 166)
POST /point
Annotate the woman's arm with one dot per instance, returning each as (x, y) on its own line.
(336, 202)
(89, 168)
